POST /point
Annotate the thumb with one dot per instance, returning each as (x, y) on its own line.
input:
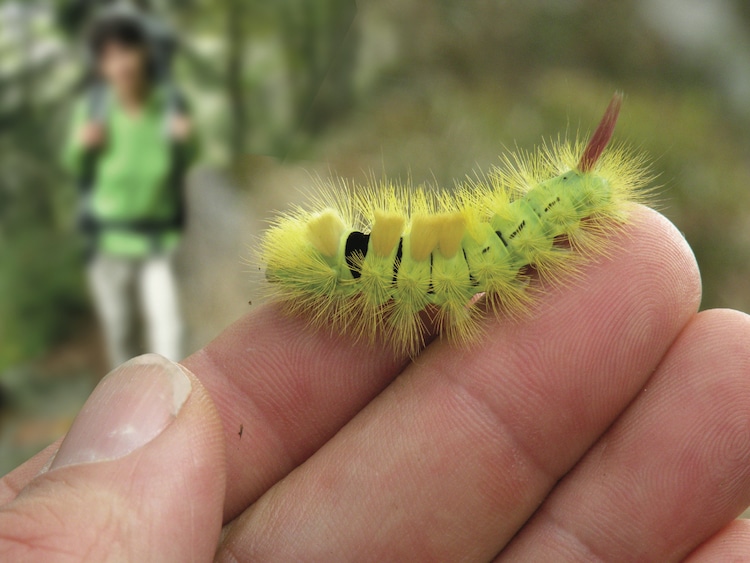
(139, 477)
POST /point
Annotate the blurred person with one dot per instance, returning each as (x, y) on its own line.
(129, 145)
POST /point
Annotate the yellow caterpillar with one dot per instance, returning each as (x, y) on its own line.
(382, 259)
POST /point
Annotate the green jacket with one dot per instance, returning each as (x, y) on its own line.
(133, 184)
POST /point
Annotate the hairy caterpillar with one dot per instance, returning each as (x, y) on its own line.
(383, 258)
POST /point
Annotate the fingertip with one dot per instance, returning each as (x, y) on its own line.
(663, 243)
(727, 328)
(732, 543)
(669, 245)
(717, 340)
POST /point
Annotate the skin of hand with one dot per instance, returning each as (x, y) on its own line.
(611, 424)
(181, 127)
(92, 135)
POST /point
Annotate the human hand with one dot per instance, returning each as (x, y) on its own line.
(92, 135)
(180, 127)
(612, 424)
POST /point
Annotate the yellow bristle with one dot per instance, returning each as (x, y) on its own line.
(324, 232)
(386, 231)
(451, 229)
(424, 238)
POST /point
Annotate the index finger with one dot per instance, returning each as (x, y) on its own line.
(283, 390)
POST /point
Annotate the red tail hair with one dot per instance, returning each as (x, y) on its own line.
(602, 135)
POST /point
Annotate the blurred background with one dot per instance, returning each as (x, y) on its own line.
(288, 90)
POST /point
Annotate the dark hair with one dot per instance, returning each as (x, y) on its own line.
(125, 30)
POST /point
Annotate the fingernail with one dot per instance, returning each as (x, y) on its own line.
(130, 407)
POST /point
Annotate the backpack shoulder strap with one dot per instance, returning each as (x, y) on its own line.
(97, 105)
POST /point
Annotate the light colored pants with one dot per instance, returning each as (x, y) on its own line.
(120, 286)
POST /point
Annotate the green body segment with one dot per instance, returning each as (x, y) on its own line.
(520, 235)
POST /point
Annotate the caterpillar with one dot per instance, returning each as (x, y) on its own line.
(387, 258)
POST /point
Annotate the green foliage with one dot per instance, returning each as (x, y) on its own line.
(41, 286)
(41, 294)
(283, 70)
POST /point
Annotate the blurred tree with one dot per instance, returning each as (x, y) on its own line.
(313, 34)
(40, 283)
(236, 46)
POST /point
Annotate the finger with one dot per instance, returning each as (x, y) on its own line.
(673, 470)
(139, 476)
(454, 456)
(282, 391)
(731, 544)
(13, 482)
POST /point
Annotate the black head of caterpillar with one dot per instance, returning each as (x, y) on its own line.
(372, 259)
